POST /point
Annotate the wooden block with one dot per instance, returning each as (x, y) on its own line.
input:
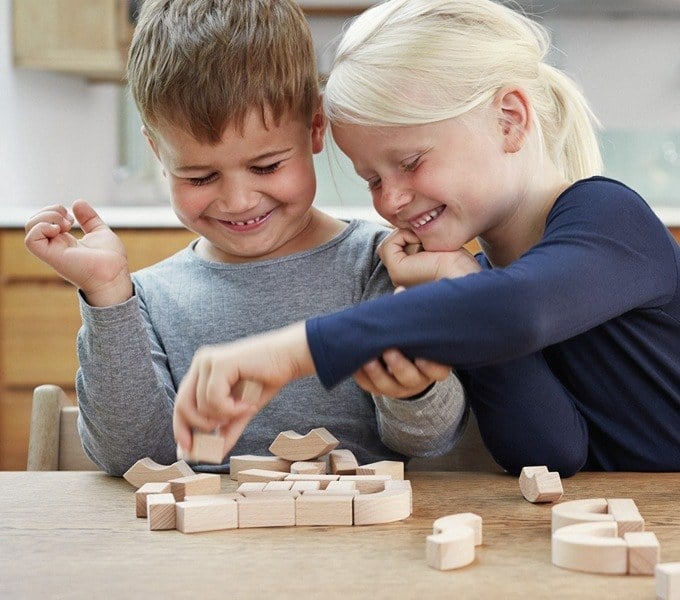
(200, 483)
(382, 507)
(643, 552)
(323, 508)
(367, 484)
(308, 468)
(579, 511)
(467, 519)
(207, 515)
(400, 484)
(306, 485)
(249, 461)
(293, 446)
(626, 514)
(260, 475)
(590, 547)
(251, 486)
(248, 391)
(153, 487)
(393, 468)
(342, 462)
(266, 511)
(667, 577)
(337, 488)
(451, 549)
(160, 509)
(147, 470)
(322, 479)
(539, 485)
(272, 486)
(207, 448)
(212, 497)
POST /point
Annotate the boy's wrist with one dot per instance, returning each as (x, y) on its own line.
(117, 292)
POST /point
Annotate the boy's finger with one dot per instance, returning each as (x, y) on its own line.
(87, 217)
(433, 370)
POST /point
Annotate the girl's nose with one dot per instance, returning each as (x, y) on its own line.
(394, 198)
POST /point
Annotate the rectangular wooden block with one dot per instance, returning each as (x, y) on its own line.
(304, 486)
(206, 448)
(368, 484)
(201, 483)
(260, 475)
(322, 479)
(306, 467)
(643, 552)
(342, 462)
(667, 576)
(160, 509)
(249, 461)
(153, 487)
(323, 508)
(207, 515)
(393, 468)
(266, 510)
(626, 515)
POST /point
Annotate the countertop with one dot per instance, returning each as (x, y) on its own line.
(157, 217)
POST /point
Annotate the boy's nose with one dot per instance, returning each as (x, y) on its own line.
(235, 199)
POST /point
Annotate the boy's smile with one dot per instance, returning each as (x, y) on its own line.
(250, 195)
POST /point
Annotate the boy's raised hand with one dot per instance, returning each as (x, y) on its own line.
(206, 400)
(96, 263)
(411, 269)
(397, 376)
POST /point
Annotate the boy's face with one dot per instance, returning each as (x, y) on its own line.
(250, 195)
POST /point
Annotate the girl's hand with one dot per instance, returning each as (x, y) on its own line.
(96, 263)
(208, 396)
(407, 269)
(398, 377)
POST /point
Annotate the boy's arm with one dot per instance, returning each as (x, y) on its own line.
(124, 387)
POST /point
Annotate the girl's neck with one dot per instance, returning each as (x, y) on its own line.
(525, 227)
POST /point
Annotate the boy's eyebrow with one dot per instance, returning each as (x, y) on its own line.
(264, 156)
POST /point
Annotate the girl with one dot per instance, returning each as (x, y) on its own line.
(566, 332)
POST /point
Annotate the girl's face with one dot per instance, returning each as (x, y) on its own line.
(448, 181)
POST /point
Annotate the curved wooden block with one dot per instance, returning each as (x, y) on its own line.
(579, 511)
(295, 447)
(468, 519)
(590, 547)
(147, 470)
(382, 507)
(540, 485)
(451, 549)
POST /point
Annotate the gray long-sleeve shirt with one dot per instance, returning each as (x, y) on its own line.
(134, 355)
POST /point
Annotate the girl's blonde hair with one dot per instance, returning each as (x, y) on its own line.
(407, 62)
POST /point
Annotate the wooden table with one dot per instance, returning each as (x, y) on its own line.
(75, 535)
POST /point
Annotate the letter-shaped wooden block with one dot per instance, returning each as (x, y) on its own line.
(579, 511)
(467, 519)
(590, 547)
(147, 470)
(540, 485)
(294, 447)
(667, 577)
(451, 549)
(382, 507)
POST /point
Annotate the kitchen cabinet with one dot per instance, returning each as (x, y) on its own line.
(39, 319)
(84, 37)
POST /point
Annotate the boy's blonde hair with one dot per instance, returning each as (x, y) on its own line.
(201, 65)
(407, 62)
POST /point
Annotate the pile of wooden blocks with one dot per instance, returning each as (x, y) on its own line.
(307, 481)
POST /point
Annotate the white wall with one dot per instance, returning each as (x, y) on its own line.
(58, 135)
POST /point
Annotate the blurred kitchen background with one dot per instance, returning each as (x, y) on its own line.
(68, 129)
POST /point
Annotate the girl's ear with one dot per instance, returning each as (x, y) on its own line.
(514, 109)
(319, 124)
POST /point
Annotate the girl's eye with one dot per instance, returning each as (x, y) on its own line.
(373, 184)
(413, 165)
(203, 180)
(268, 169)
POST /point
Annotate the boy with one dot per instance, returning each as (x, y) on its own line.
(229, 97)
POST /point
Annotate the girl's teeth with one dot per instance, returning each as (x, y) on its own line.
(428, 217)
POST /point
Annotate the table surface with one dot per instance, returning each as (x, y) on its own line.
(75, 535)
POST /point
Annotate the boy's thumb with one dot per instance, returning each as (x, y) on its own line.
(87, 217)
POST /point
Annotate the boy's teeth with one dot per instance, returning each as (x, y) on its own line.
(249, 222)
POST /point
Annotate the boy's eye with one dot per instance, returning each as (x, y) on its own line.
(373, 184)
(267, 169)
(203, 180)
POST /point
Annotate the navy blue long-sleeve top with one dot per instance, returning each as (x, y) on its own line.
(598, 296)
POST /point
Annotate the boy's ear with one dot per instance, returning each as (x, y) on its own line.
(515, 117)
(319, 124)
